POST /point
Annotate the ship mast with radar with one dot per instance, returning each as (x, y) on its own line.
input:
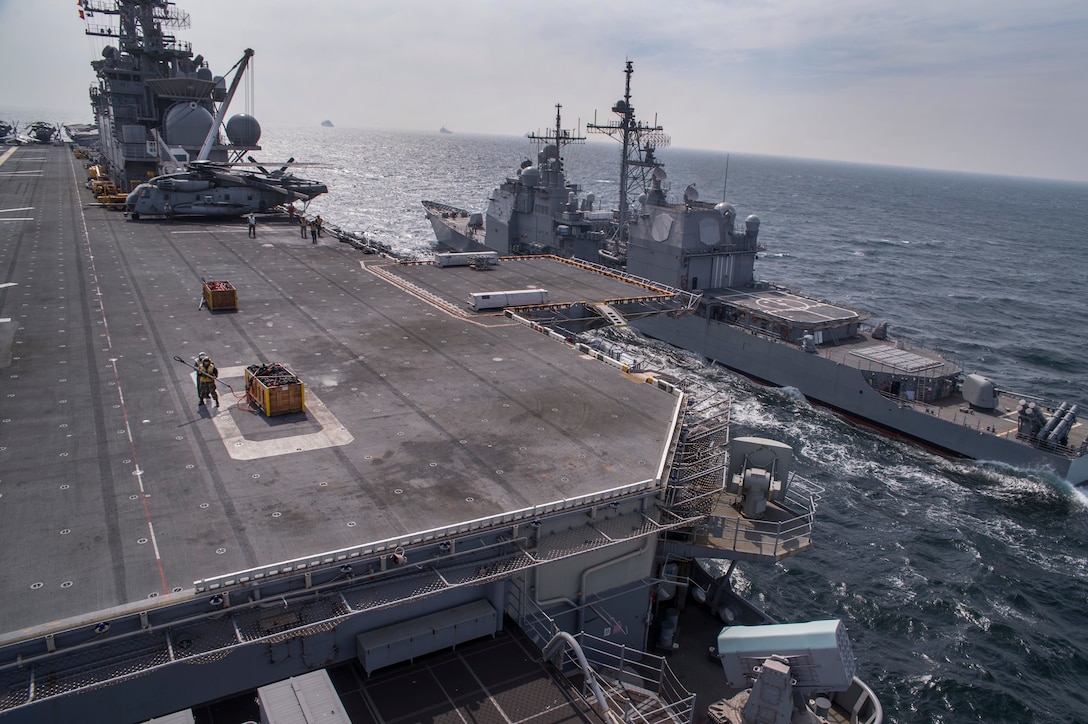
(551, 164)
(640, 141)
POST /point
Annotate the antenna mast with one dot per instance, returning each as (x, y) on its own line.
(639, 141)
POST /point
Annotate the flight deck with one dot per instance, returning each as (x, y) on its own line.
(119, 489)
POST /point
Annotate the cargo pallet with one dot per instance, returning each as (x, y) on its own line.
(220, 295)
(274, 390)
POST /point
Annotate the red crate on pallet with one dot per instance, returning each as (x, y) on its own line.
(220, 295)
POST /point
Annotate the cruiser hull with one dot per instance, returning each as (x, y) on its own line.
(845, 390)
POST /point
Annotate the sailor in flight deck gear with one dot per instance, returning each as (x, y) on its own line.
(206, 374)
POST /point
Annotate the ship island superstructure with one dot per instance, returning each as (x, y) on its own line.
(157, 105)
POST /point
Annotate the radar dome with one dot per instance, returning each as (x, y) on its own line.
(187, 124)
(243, 130)
(752, 223)
(530, 176)
(725, 209)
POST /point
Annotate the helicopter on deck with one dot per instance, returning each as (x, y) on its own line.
(208, 188)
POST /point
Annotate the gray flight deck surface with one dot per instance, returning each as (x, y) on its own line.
(116, 488)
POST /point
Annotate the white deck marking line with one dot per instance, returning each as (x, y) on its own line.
(96, 286)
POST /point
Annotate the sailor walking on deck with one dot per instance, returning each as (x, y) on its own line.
(302, 226)
(313, 230)
(318, 221)
(206, 375)
(252, 219)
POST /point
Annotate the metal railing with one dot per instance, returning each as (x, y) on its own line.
(639, 687)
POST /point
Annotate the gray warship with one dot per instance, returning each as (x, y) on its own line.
(762, 330)
(425, 513)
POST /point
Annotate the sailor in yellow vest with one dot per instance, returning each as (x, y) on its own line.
(206, 374)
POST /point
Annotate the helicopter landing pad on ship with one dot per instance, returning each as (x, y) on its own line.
(785, 306)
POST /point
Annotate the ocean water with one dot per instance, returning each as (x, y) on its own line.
(964, 585)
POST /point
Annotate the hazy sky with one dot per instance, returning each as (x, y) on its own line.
(977, 85)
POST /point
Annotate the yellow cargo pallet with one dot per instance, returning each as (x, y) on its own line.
(263, 390)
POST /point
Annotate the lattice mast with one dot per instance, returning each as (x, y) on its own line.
(139, 26)
(551, 168)
(639, 141)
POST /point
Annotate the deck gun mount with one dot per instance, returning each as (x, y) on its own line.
(758, 471)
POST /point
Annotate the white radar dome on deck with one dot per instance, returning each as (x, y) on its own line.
(530, 176)
(243, 130)
(726, 210)
(187, 124)
(752, 223)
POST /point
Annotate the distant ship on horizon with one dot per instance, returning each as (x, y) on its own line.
(326, 124)
(443, 129)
